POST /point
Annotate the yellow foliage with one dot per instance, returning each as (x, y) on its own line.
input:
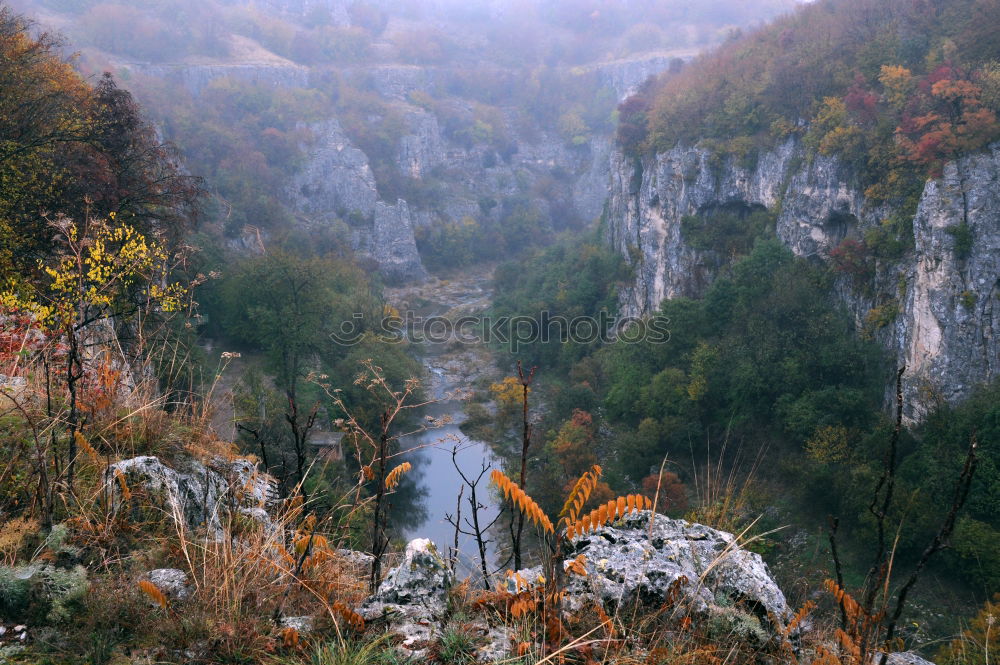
(13, 535)
(898, 83)
(828, 445)
(508, 393)
(102, 264)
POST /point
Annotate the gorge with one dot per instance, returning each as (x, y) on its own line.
(239, 421)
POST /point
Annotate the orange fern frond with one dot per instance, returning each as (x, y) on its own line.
(289, 638)
(605, 620)
(800, 616)
(825, 657)
(580, 493)
(84, 445)
(848, 643)
(392, 480)
(845, 600)
(153, 592)
(611, 510)
(523, 604)
(523, 502)
(367, 472)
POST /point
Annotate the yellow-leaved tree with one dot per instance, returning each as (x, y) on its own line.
(104, 273)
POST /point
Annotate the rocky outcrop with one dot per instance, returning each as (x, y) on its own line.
(392, 244)
(701, 571)
(398, 81)
(906, 658)
(948, 331)
(173, 583)
(195, 77)
(413, 597)
(632, 560)
(336, 180)
(337, 184)
(193, 492)
(422, 148)
(946, 292)
(624, 76)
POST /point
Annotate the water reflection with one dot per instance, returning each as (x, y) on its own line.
(408, 502)
(440, 482)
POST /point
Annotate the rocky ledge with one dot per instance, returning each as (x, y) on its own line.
(199, 494)
(643, 560)
(702, 572)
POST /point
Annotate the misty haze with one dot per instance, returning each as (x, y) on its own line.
(337, 332)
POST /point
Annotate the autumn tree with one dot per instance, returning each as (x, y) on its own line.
(954, 121)
(71, 149)
(571, 451)
(103, 272)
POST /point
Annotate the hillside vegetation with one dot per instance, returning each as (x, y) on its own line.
(894, 88)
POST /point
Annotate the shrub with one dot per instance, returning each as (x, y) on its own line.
(850, 257)
(975, 644)
(961, 236)
(881, 316)
(39, 592)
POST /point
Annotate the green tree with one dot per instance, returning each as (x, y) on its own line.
(288, 307)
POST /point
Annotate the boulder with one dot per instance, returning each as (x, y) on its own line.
(906, 658)
(195, 493)
(172, 582)
(413, 598)
(705, 572)
(303, 625)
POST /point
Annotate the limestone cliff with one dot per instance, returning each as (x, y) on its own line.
(337, 183)
(472, 179)
(945, 295)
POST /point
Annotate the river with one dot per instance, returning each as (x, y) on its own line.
(451, 370)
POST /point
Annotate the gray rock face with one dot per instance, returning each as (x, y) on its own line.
(945, 330)
(624, 76)
(906, 658)
(195, 493)
(172, 582)
(393, 246)
(336, 180)
(422, 149)
(710, 575)
(302, 624)
(413, 597)
(196, 77)
(948, 333)
(591, 189)
(336, 183)
(398, 81)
